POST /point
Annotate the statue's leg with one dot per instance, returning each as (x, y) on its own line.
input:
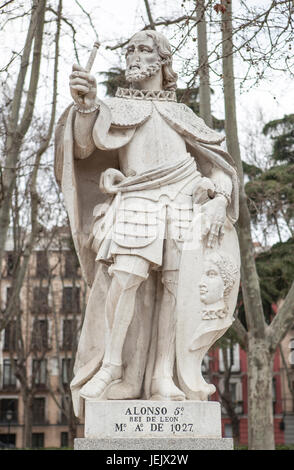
(162, 386)
(136, 348)
(119, 310)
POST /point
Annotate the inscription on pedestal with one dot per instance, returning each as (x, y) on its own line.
(147, 419)
(156, 419)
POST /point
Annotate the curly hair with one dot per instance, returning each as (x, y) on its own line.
(164, 50)
(227, 268)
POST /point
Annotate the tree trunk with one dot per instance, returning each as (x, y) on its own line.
(204, 89)
(226, 396)
(230, 409)
(17, 130)
(27, 418)
(235, 428)
(260, 412)
(260, 396)
(149, 14)
(72, 425)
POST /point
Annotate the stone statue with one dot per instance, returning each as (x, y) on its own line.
(152, 198)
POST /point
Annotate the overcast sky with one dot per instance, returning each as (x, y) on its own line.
(115, 20)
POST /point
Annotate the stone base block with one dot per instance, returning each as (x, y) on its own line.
(152, 425)
(155, 444)
(135, 419)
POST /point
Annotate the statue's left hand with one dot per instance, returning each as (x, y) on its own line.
(214, 217)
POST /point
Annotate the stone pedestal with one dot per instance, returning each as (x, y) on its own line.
(152, 425)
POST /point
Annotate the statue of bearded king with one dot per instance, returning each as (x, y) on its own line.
(150, 194)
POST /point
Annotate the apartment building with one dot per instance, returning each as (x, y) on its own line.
(287, 383)
(38, 345)
(238, 383)
(39, 342)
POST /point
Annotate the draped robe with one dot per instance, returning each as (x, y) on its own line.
(116, 123)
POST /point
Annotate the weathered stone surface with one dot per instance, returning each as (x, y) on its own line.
(154, 444)
(135, 419)
(152, 196)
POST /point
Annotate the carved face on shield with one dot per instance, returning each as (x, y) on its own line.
(211, 285)
(218, 277)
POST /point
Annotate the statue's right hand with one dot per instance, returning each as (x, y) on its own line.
(83, 87)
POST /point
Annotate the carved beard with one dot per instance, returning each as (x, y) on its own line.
(143, 72)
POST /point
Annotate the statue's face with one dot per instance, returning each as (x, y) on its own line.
(211, 285)
(142, 58)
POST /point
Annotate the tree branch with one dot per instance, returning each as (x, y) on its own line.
(163, 22)
(152, 25)
(241, 333)
(283, 320)
(35, 72)
(6, 3)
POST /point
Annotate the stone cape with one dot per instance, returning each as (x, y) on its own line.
(115, 126)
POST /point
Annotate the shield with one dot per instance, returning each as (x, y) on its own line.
(195, 333)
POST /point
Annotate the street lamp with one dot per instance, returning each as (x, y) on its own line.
(9, 417)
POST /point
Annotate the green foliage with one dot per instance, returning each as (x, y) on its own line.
(115, 78)
(251, 170)
(282, 133)
(272, 193)
(275, 269)
(189, 96)
(227, 340)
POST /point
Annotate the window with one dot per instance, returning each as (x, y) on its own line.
(67, 337)
(71, 264)
(235, 388)
(10, 263)
(66, 363)
(71, 300)
(233, 357)
(228, 430)
(38, 410)
(39, 372)
(8, 410)
(8, 439)
(274, 391)
(291, 355)
(37, 440)
(40, 335)
(235, 393)
(64, 406)
(10, 336)
(8, 295)
(42, 269)
(9, 379)
(205, 364)
(40, 300)
(64, 439)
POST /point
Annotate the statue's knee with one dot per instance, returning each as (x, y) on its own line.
(127, 280)
(129, 271)
(170, 282)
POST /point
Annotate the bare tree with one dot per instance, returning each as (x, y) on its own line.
(17, 126)
(204, 90)
(262, 340)
(222, 379)
(71, 315)
(22, 256)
